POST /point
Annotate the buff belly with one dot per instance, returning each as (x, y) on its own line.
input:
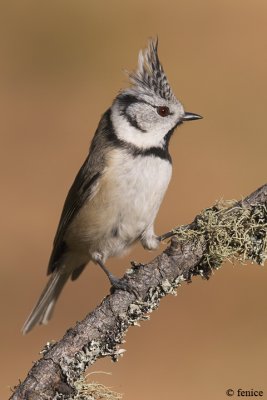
(125, 202)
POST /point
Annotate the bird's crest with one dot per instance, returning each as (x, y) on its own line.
(149, 75)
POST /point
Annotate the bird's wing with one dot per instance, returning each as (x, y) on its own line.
(82, 189)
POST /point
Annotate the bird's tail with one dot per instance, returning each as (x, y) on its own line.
(43, 310)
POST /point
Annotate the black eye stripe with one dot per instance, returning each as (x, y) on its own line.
(126, 100)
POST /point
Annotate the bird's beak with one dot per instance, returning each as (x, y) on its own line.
(190, 116)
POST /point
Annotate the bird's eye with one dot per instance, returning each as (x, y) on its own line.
(163, 111)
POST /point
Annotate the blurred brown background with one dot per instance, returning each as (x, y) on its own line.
(61, 65)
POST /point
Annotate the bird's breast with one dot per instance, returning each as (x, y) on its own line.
(136, 184)
(126, 200)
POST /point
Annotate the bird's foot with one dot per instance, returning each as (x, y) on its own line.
(117, 283)
(122, 284)
(167, 235)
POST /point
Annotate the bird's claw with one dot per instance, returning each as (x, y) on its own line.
(166, 235)
(122, 284)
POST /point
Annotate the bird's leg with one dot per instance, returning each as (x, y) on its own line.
(166, 235)
(113, 279)
(117, 283)
(150, 241)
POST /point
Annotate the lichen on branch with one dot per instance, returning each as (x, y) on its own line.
(231, 232)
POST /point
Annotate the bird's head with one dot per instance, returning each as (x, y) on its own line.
(147, 113)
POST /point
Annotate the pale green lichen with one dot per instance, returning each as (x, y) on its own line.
(231, 232)
(94, 391)
(85, 390)
(47, 347)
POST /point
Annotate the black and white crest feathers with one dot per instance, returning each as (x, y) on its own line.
(149, 75)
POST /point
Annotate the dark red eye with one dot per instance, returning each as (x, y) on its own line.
(163, 111)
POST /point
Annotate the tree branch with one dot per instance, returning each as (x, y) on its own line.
(218, 233)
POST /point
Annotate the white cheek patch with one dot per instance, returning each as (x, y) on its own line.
(130, 134)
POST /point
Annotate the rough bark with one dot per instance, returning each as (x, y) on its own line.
(190, 253)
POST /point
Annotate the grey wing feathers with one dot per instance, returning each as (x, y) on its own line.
(78, 194)
(80, 191)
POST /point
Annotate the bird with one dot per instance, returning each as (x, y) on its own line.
(116, 195)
